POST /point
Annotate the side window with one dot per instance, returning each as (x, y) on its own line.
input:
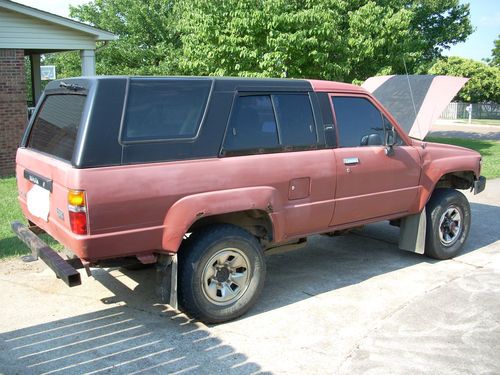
(252, 124)
(359, 122)
(295, 119)
(164, 109)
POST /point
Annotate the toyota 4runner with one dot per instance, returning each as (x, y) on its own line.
(202, 176)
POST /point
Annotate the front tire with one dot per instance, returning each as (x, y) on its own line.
(448, 223)
(221, 273)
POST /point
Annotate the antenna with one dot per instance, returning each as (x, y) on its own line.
(411, 96)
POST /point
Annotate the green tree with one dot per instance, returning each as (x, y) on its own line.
(495, 53)
(148, 43)
(484, 83)
(67, 64)
(329, 39)
(27, 79)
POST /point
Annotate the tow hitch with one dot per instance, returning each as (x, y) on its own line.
(65, 271)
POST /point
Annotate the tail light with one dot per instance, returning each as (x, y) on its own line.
(77, 207)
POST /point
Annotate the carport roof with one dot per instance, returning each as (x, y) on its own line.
(33, 29)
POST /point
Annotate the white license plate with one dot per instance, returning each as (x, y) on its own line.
(38, 200)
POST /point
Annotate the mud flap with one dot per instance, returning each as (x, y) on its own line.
(412, 233)
(166, 279)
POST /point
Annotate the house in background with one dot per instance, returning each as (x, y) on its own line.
(26, 31)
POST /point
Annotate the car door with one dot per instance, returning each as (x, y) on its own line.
(371, 182)
(272, 140)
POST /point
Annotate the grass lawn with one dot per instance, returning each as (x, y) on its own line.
(10, 211)
(10, 245)
(480, 122)
(490, 150)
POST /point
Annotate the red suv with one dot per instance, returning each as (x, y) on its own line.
(203, 175)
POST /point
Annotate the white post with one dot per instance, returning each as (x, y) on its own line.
(88, 62)
(36, 80)
(469, 109)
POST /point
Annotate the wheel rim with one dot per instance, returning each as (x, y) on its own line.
(226, 276)
(450, 226)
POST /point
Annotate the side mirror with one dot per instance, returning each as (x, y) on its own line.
(390, 142)
(391, 137)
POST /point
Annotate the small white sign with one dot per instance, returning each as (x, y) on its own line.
(38, 200)
(48, 72)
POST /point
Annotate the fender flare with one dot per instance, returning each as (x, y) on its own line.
(187, 210)
(431, 177)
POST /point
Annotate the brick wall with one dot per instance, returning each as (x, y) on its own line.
(13, 107)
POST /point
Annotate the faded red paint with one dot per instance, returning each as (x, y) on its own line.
(440, 159)
(148, 208)
(337, 87)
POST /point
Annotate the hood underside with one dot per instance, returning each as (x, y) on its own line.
(415, 101)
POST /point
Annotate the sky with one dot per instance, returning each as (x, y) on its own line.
(485, 15)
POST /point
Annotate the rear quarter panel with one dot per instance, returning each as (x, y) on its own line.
(130, 207)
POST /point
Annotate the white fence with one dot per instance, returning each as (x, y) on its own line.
(457, 110)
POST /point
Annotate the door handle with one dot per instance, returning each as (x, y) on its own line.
(351, 161)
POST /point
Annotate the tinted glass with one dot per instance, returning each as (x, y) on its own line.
(56, 125)
(359, 122)
(296, 120)
(164, 109)
(252, 124)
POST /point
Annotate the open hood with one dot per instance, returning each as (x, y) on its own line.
(415, 101)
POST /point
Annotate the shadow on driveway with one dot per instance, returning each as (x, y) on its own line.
(120, 340)
(117, 340)
(325, 264)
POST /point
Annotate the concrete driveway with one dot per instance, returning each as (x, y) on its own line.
(453, 129)
(352, 304)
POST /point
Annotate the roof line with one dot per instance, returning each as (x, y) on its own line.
(59, 20)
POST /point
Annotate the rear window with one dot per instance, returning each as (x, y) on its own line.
(56, 125)
(164, 109)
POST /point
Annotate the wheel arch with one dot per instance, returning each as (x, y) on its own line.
(458, 179)
(256, 209)
(256, 221)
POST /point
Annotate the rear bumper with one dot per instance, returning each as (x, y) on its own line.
(479, 185)
(40, 249)
(94, 247)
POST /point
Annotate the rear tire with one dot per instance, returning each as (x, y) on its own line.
(221, 273)
(448, 223)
